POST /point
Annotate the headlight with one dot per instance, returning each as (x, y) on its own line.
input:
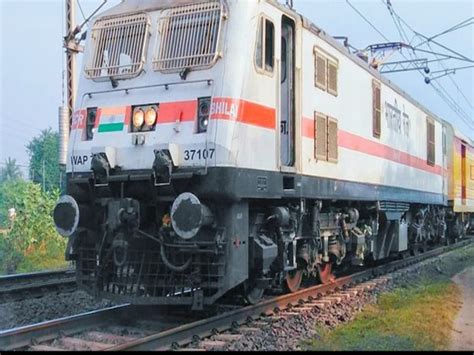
(138, 118)
(150, 117)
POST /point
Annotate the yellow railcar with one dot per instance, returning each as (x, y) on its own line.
(460, 179)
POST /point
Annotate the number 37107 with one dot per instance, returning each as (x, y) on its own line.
(199, 154)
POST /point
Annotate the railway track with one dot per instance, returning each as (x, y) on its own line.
(20, 286)
(111, 329)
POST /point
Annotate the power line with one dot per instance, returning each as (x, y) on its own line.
(461, 57)
(80, 8)
(393, 13)
(366, 20)
(451, 104)
(460, 25)
(456, 69)
(453, 81)
(446, 97)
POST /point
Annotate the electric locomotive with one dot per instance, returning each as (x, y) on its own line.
(229, 147)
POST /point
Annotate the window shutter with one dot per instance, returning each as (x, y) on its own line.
(332, 77)
(332, 140)
(321, 71)
(376, 109)
(430, 134)
(321, 137)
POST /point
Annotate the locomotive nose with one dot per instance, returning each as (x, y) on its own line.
(66, 216)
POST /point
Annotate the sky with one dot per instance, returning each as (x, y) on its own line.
(32, 57)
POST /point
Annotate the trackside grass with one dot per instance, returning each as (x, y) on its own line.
(414, 318)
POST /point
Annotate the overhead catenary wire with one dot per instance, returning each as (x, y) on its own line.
(462, 24)
(454, 82)
(465, 117)
(394, 13)
(458, 68)
(446, 98)
(366, 20)
(427, 40)
(80, 9)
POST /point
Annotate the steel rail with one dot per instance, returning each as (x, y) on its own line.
(9, 279)
(14, 287)
(24, 336)
(185, 334)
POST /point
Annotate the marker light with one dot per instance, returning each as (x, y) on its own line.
(204, 106)
(138, 118)
(150, 117)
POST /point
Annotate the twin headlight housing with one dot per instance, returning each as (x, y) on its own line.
(144, 118)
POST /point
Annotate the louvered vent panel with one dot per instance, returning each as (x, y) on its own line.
(431, 142)
(321, 137)
(332, 140)
(377, 112)
(189, 37)
(118, 47)
(321, 73)
(332, 78)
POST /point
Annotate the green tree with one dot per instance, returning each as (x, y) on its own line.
(32, 243)
(44, 166)
(10, 171)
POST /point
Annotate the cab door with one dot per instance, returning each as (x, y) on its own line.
(287, 93)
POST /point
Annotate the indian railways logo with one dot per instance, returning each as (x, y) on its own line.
(397, 120)
(79, 119)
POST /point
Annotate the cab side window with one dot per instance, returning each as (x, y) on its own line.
(265, 50)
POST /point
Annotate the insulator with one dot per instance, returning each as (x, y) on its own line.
(63, 125)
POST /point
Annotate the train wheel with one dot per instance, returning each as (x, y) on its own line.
(325, 273)
(252, 293)
(293, 280)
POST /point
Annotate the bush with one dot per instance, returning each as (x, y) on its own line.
(32, 243)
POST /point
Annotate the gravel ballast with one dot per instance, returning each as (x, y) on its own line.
(48, 307)
(291, 332)
(275, 333)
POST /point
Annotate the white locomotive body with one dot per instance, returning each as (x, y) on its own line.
(224, 146)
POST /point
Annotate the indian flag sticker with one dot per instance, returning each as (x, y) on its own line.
(112, 119)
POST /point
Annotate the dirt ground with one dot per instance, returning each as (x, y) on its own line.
(463, 330)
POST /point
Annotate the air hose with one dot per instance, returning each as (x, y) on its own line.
(163, 254)
(169, 264)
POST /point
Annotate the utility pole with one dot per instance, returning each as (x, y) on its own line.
(72, 48)
(66, 111)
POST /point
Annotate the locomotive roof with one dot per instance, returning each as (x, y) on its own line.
(127, 6)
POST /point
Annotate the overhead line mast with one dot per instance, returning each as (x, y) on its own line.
(71, 50)
(73, 47)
